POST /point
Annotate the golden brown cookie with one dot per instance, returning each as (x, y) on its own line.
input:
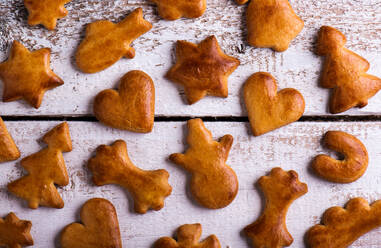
(100, 228)
(213, 184)
(188, 236)
(15, 233)
(175, 9)
(348, 170)
(241, 1)
(202, 69)
(280, 188)
(27, 75)
(132, 107)
(8, 148)
(271, 24)
(45, 12)
(106, 42)
(46, 169)
(344, 72)
(267, 108)
(111, 165)
(342, 226)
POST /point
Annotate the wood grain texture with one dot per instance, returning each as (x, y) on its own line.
(291, 147)
(298, 67)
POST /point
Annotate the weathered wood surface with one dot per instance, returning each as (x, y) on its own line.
(298, 67)
(292, 147)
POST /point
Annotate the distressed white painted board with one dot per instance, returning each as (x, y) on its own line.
(291, 147)
(298, 67)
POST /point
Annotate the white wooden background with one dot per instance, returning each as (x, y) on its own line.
(298, 67)
(291, 147)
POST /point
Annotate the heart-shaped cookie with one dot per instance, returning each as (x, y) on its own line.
(100, 227)
(267, 108)
(132, 107)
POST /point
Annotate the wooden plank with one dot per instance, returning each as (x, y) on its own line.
(298, 67)
(291, 147)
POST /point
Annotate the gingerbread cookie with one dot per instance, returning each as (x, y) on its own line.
(342, 226)
(344, 72)
(46, 169)
(280, 188)
(100, 227)
(8, 148)
(267, 108)
(188, 236)
(45, 12)
(272, 24)
(106, 42)
(15, 233)
(348, 170)
(132, 107)
(202, 69)
(27, 75)
(175, 9)
(214, 184)
(111, 165)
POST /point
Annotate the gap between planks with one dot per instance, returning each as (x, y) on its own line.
(306, 118)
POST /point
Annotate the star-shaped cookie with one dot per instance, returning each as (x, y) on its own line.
(203, 69)
(27, 75)
(45, 12)
(14, 232)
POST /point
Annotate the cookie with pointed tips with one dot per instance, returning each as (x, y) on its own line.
(213, 184)
(15, 233)
(45, 12)
(46, 169)
(100, 227)
(111, 165)
(344, 72)
(202, 69)
(107, 42)
(271, 24)
(280, 188)
(8, 148)
(132, 107)
(348, 170)
(267, 108)
(175, 9)
(341, 227)
(27, 75)
(188, 236)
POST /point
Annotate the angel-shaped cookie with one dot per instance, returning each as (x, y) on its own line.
(344, 72)
(271, 23)
(214, 184)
